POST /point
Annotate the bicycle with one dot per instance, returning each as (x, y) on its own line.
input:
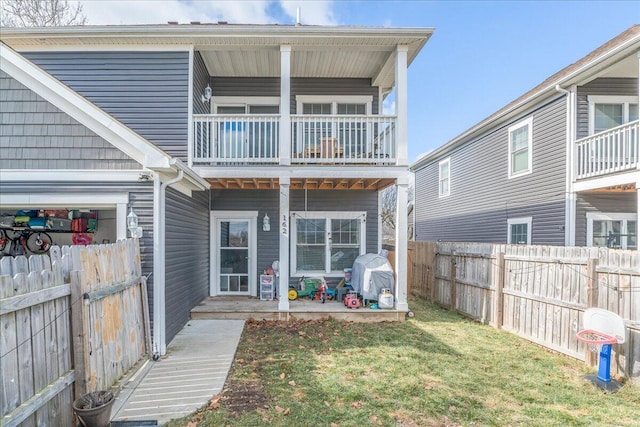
(24, 241)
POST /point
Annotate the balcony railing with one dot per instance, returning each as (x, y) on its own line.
(236, 138)
(343, 139)
(255, 138)
(611, 151)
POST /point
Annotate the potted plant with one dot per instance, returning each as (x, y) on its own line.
(94, 409)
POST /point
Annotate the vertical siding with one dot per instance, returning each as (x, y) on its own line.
(187, 256)
(601, 86)
(200, 81)
(483, 197)
(270, 86)
(147, 91)
(34, 134)
(602, 202)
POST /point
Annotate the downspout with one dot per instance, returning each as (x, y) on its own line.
(159, 301)
(570, 198)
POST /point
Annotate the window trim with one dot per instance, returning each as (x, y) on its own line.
(625, 100)
(242, 101)
(521, 220)
(529, 124)
(611, 216)
(440, 177)
(334, 100)
(327, 216)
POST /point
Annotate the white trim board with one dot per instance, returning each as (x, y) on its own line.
(71, 175)
(64, 200)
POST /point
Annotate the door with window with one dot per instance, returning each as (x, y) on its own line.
(247, 137)
(234, 253)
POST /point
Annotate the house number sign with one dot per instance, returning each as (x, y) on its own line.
(285, 226)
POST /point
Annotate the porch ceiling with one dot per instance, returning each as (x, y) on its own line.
(301, 183)
(623, 188)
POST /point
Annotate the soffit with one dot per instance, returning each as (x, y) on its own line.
(301, 183)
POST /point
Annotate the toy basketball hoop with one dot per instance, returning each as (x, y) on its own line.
(602, 329)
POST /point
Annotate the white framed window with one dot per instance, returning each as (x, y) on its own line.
(521, 148)
(245, 104)
(612, 230)
(606, 111)
(334, 104)
(326, 242)
(519, 231)
(444, 177)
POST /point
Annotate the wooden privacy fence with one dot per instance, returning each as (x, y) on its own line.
(76, 317)
(537, 292)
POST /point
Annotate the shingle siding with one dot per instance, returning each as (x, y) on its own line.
(186, 257)
(34, 134)
(482, 197)
(601, 86)
(147, 91)
(605, 203)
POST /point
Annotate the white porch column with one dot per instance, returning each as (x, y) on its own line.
(401, 104)
(283, 228)
(285, 110)
(401, 244)
(637, 209)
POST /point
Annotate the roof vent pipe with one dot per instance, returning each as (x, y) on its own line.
(298, 17)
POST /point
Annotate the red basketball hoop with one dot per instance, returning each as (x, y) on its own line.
(595, 339)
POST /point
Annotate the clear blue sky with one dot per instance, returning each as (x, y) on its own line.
(483, 54)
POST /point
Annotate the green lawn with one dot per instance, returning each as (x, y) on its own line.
(436, 369)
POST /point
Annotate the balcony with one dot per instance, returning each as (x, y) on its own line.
(612, 151)
(315, 139)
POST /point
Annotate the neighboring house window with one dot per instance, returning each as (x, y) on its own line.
(612, 230)
(444, 177)
(326, 242)
(519, 231)
(606, 112)
(520, 148)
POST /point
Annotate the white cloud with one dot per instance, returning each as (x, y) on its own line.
(120, 12)
(389, 107)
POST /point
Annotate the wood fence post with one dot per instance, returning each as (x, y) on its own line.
(591, 357)
(79, 319)
(454, 286)
(499, 297)
(432, 271)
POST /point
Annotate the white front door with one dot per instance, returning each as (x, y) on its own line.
(234, 253)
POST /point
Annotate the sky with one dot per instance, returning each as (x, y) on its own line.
(482, 55)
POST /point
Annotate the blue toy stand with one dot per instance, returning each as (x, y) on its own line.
(604, 364)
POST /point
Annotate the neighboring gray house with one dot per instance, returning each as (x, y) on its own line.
(235, 145)
(557, 166)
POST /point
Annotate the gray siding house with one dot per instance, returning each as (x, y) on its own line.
(558, 166)
(235, 146)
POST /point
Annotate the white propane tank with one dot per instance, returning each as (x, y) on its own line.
(385, 299)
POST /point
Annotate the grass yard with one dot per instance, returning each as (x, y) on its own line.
(436, 369)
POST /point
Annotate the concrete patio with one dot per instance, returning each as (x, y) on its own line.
(194, 370)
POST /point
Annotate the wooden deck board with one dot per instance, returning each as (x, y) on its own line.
(304, 309)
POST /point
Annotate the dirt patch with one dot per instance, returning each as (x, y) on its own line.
(239, 398)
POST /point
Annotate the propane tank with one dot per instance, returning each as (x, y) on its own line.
(385, 299)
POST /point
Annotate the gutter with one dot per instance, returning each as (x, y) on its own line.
(159, 254)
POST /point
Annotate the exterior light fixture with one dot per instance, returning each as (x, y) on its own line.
(207, 94)
(266, 223)
(132, 224)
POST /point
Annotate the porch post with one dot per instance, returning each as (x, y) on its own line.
(401, 244)
(401, 104)
(283, 228)
(285, 110)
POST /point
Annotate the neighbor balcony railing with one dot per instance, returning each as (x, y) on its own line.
(614, 150)
(255, 138)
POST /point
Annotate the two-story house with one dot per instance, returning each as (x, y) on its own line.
(557, 166)
(234, 145)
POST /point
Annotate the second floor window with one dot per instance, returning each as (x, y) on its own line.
(444, 177)
(606, 112)
(520, 148)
